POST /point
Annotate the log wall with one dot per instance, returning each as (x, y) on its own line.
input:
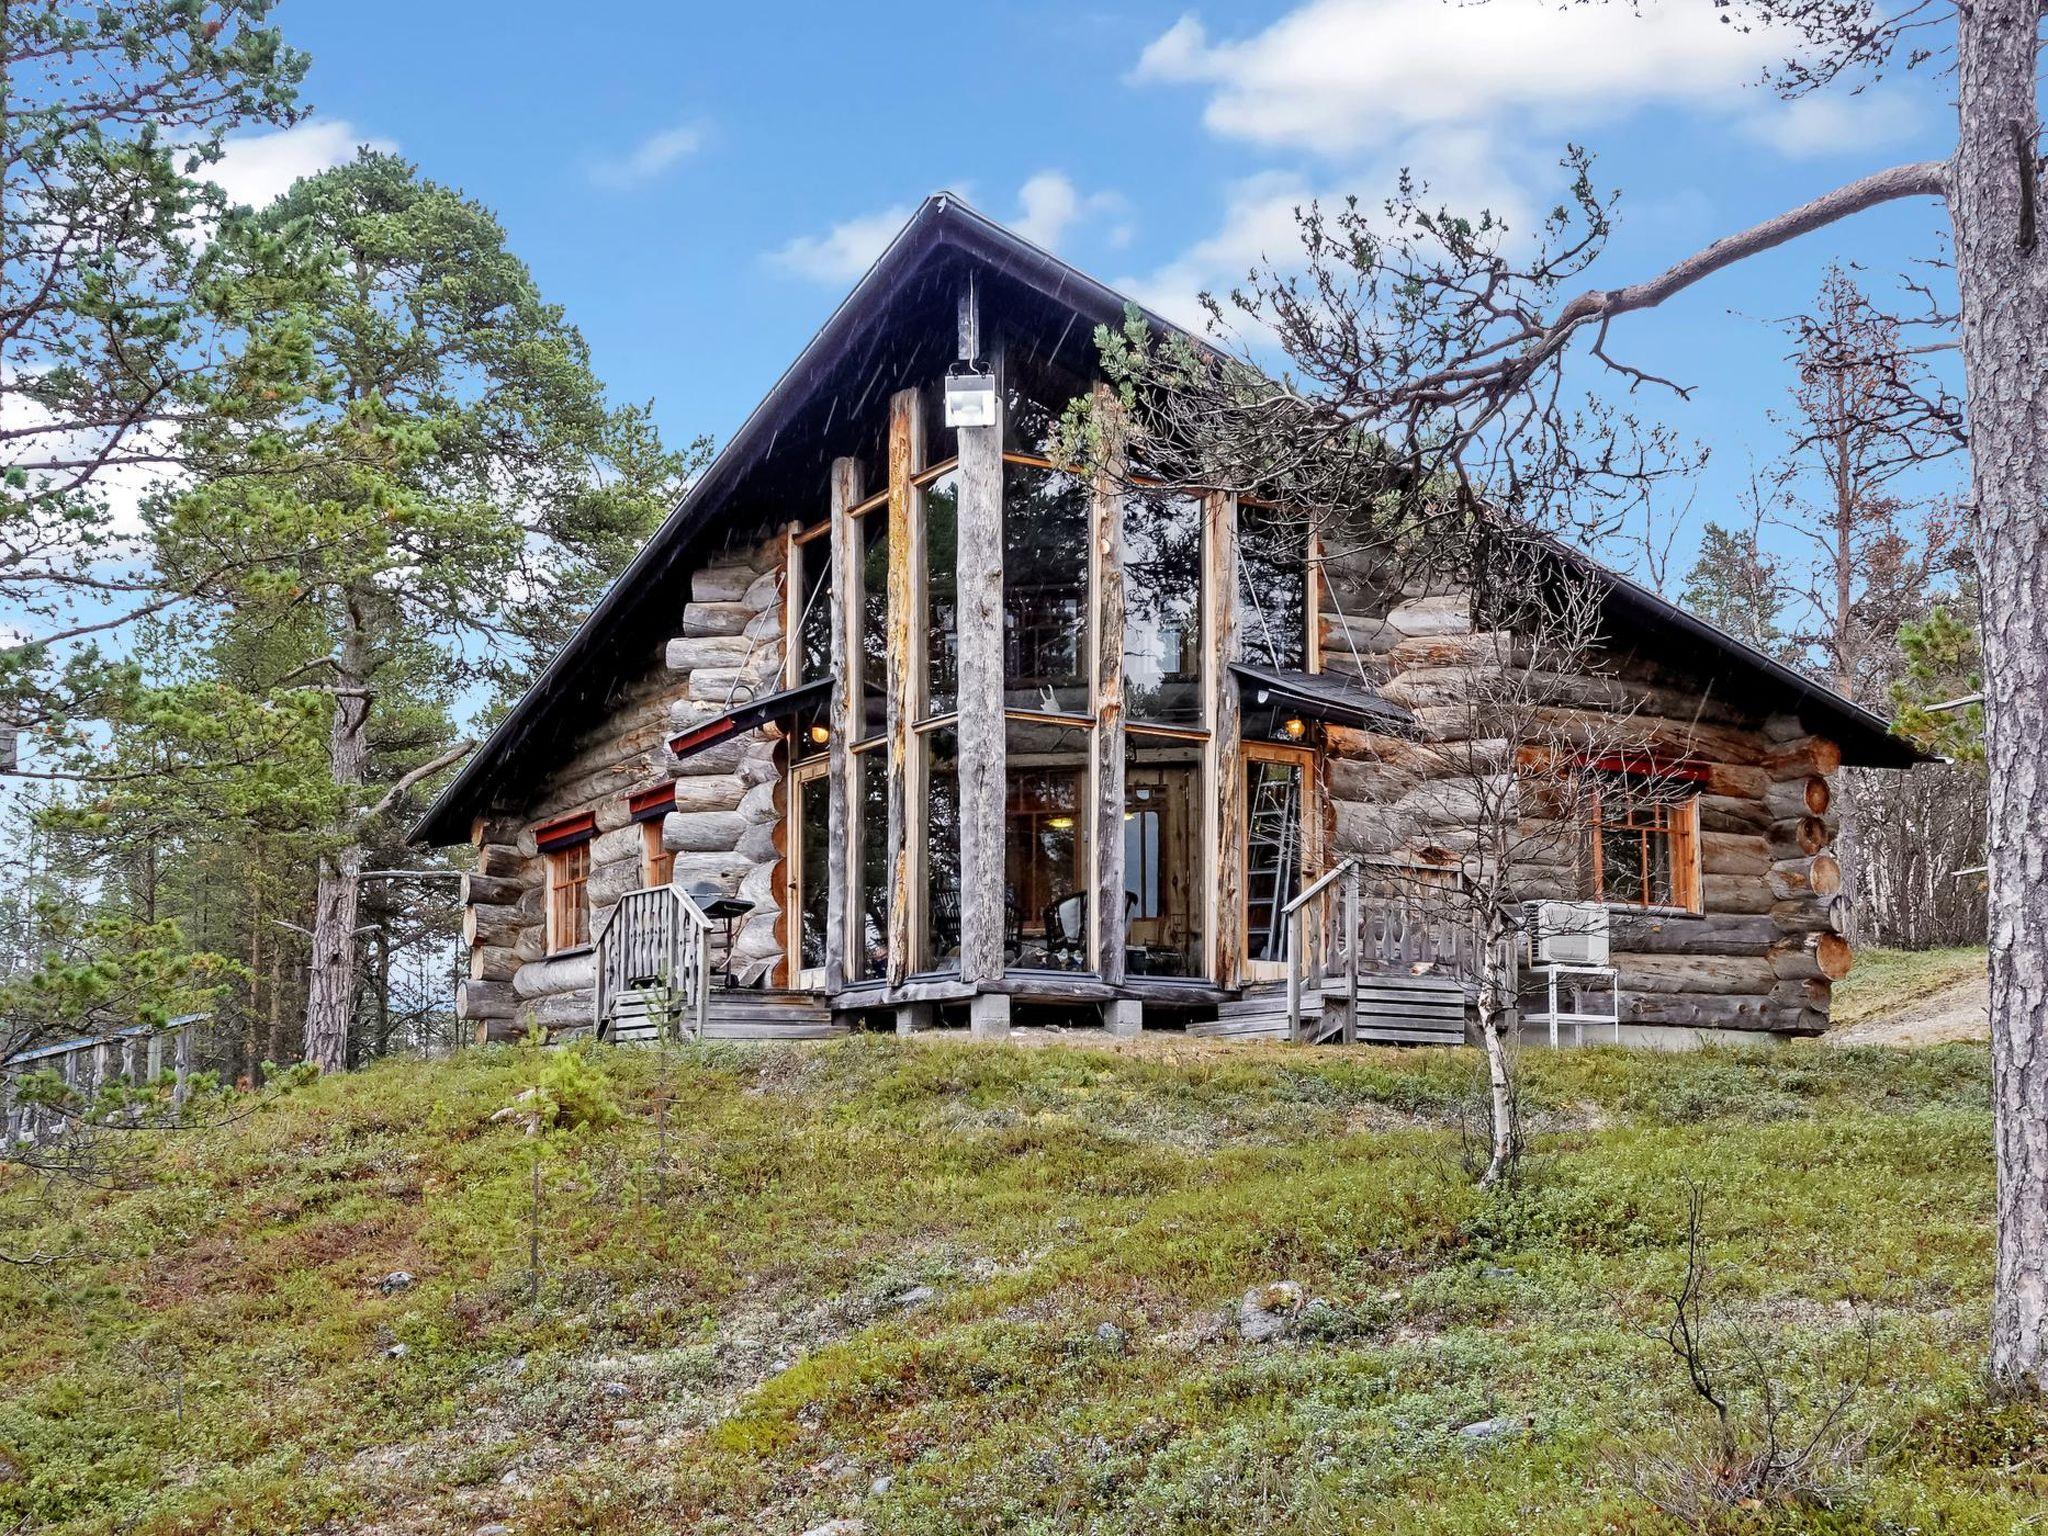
(724, 830)
(1769, 945)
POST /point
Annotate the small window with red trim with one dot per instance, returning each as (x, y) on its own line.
(1642, 844)
(650, 808)
(566, 845)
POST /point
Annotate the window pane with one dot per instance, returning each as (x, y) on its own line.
(1272, 582)
(1045, 590)
(814, 624)
(1036, 393)
(873, 532)
(1162, 857)
(941, 949)
(871, 958)
(1045, 856)
(941, 522)
(814, 818)
(1163, 608)
(1272, 854)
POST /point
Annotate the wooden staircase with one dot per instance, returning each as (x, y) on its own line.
(740, 1013)
(1392, 1010)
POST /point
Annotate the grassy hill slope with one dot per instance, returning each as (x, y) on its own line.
(947, 1289)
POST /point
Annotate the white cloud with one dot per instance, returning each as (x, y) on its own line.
(1338, 76)
(1463, 169)
(650, 158)
(1050, 208)
(258, 168)
(1050, 205)
(845, 250)
(1816, 125)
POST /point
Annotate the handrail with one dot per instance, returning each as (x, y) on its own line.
(1317, 886)
(656, 934)
(85, 1065)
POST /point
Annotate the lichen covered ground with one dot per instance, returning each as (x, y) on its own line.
(938, 1288)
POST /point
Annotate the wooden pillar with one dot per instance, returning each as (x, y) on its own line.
(840, 912)
(1226, 802)
(906, 433)
(978, 602)
(1106, 557)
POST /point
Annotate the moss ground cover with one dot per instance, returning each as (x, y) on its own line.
(942, 1288)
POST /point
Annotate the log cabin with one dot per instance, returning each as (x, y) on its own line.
(901, 722)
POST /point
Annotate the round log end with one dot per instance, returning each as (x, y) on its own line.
(1834, 954)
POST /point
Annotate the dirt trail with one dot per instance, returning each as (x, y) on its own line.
(1961, 1011)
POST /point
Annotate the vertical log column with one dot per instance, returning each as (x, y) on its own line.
(1226, 803)
(982, 734)
(840, 910)
(906, 431)
(1106, 555)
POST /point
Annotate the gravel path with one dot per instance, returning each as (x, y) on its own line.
(1958, 1012)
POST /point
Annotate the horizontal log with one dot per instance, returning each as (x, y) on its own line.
(1818, 875)
(501, 860)
(715, 618)
(1799, 795)
(557, 973)
(1810, 914)
(1711, 1011)
(491, 925)
(484, 1000)
(1735, 781)
(721, 583)
(498, 1032)
(1802, 957)
(1710, 975)
(1450, 614)
(686, 653)
(1803, 758)
(702, 831)
(1715, 933)
(479, 890)
(492, 962)
(1799, 838)
(1736, 893)
(1734, 853)
(1732, 813)
(558, 1010)
(1813, 992)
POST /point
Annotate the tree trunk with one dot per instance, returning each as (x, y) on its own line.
(2004, 291)
(331, 972)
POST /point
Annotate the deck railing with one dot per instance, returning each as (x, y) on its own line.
(135, 1056)
(1369, 917)
(656, 939)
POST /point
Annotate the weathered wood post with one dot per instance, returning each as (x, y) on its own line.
(981, 732)
(844, 719)
(1124, 1016)
(183, 1058)
(906, 452)
(1226, 805)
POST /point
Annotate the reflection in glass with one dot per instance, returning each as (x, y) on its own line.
(1162, 856)
(1036, 393)
(941, 948)
(1272, 855)
(814, 622)
(871, 941)
(1045, 589)
(1272, 581)
(941, 642)
(1163, 608)
(873, 531)
(814, 827)
(1045, 855)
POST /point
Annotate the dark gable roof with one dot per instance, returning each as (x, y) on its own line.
(897, 327)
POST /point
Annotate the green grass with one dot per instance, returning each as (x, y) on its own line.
(1886, 980)
(719, 1345)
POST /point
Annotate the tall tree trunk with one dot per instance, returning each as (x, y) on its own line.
(2004, 288)
(331, 974)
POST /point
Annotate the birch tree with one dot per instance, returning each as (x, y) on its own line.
(1431, 368)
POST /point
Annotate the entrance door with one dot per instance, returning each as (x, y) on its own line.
(1277, 781)
(811, 884)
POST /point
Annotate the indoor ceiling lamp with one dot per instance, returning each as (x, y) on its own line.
(1293, 727)
(820, 734)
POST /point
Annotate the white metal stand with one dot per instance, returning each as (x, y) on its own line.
(1579, 1017)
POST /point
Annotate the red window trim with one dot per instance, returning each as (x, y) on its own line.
(567, 832)
(651, 804)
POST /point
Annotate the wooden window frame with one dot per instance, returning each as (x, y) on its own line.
(568, 912)
(1676, 819)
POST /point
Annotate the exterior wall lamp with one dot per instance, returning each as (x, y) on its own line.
(970, 395)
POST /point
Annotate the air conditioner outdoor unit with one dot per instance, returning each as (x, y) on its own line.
(1569, 933)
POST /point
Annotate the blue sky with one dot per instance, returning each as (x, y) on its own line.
(699, 185)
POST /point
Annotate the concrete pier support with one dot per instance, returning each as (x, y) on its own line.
(988, 1016)
(1124, 1018)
